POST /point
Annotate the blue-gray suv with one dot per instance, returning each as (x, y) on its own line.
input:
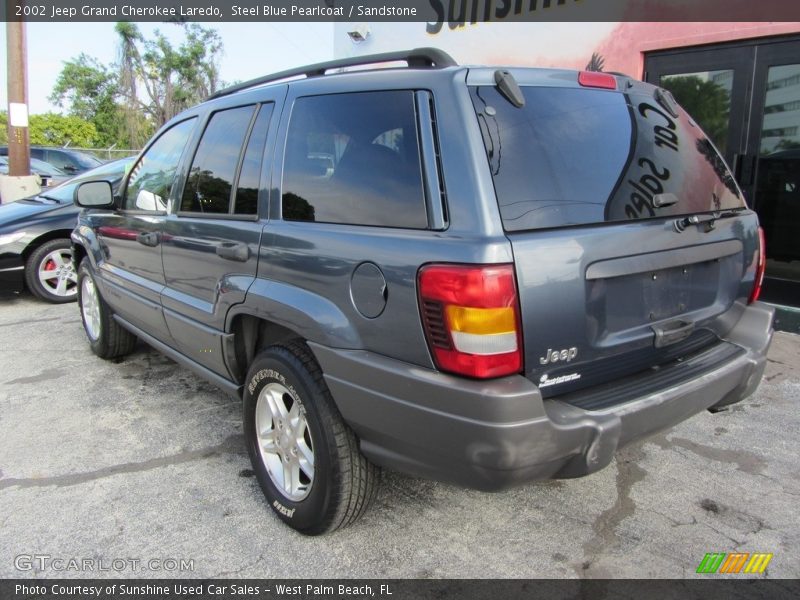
(475, 274)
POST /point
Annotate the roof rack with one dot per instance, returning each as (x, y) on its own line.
(418, 57)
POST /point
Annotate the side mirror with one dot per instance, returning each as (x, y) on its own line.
(94, 194)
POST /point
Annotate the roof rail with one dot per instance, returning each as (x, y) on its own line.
(418, 57)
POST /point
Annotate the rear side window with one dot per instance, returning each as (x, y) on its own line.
(210, 183)
(354, 158)
(575, 156)
(246, 202)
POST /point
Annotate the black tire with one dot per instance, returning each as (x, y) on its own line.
(54, 256)
(107, 338)
(344, 482)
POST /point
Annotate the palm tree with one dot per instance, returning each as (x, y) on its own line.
(596, 63)
(129, 61)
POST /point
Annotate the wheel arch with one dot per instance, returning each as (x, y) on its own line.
(251, 334)
(275, 312)
(43, 238)
(78, 254)
(85, 244)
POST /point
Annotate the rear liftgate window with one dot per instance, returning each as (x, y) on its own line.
(572, 156)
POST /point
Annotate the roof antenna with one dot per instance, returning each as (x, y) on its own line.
(509, 88)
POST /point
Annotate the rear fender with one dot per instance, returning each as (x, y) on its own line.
(311, 316)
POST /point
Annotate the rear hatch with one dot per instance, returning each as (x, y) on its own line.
(632, 243)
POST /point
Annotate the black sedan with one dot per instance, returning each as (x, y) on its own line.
(49, 175)
(68, 160)
(34, 237)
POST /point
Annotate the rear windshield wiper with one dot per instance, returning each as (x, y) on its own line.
(707, 220)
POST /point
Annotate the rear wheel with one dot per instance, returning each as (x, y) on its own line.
(50, 274)
(304, 455)
(107, 338)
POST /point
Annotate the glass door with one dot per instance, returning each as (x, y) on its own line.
(713, 86)
(746, 97)
(775, 152)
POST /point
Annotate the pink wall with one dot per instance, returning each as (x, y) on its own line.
(623, 50)
(558, 44)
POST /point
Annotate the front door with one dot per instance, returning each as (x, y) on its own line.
(746, 96)
(131, 272)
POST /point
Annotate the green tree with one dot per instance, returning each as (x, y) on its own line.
(51, 129)
(128, 59)
(88, 90)
(3, 128)
(707, 101)
(596, 63)
(160, 80)
(151, 82)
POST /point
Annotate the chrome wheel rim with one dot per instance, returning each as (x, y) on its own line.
(90, 308)
(57, 274)
(284, 441)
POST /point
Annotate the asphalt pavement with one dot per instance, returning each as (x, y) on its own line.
(137, 468)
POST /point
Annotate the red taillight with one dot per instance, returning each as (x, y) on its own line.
(471, 319)
(760, 266)
(596, 79)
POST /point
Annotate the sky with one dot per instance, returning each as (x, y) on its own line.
(250, 50)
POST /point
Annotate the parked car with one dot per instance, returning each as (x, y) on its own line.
(49, 175)
(498, 274)
(69, 161)
(34, 237)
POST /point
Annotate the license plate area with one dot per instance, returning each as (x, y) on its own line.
(626, 302)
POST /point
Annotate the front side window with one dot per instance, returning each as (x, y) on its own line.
(152, 177)
(354, 158)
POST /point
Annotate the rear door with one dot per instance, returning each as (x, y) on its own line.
(210, 244)
(596, 189)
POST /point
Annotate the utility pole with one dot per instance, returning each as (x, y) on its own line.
(19, 163)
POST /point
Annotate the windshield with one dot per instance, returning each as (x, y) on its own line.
(86, 161)
(575, 156)
(44, 168)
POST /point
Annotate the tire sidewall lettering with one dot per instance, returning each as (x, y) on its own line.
(272, 374)
(284, 508)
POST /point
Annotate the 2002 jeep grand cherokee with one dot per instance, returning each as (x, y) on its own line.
(480, 275)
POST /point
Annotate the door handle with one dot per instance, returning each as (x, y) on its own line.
(672, 332)
(237, 251)
(148, 239)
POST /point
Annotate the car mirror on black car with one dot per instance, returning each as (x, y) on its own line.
(94, 194)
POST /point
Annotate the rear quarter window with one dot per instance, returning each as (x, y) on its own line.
(575, 156)
(354, 158)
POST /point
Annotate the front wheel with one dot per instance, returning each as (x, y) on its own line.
(304, 455)
(107, 338)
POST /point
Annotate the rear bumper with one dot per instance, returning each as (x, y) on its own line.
(493, 434)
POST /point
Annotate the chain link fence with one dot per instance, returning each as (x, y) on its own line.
(106, 154)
